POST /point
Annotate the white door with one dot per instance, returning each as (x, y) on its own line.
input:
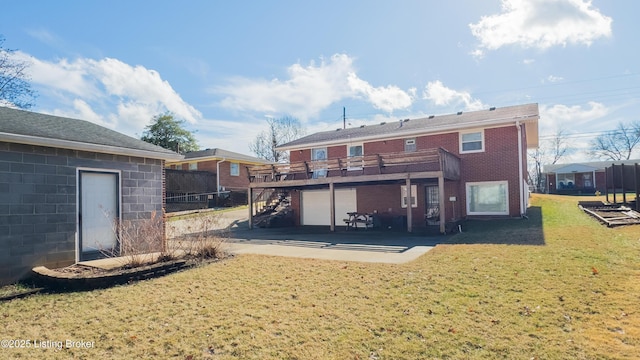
(316, 206)
(98, 213)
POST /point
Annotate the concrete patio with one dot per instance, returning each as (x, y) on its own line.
(319, 243)
(316, 242)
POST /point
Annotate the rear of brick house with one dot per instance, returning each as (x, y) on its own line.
(487, 149)
(63, 183)
(228, 167)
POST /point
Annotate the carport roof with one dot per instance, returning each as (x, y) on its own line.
(26, 127)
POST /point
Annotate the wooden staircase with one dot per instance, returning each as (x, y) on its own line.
(272, 208)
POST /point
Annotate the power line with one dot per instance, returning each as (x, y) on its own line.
(557, 84)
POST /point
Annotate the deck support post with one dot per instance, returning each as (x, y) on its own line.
(250, 199)
(332, 206)
(441, 204)
(409, 206)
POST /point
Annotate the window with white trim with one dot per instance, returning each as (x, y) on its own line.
(318, 166)
(414, 196)
(354, 160)
(488, 198)
(566, 181)
(193, 166)
(471, 142)
(409, 145)
(234, 169)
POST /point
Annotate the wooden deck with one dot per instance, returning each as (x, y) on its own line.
(431, 163)
(611, 214)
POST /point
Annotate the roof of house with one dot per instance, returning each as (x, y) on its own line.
(26, 127)
(584, 166)
(219, 154)
(527, 114)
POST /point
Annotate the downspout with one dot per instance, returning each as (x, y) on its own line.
(520, 167)
(218, 176)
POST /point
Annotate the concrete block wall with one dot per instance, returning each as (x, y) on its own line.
(38, 202)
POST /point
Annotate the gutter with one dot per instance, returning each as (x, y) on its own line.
(523, 211)
(218, 175)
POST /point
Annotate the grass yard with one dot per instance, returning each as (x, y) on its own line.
(556, 286)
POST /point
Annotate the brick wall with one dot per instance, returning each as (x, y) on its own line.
(499, 162)
(38, 192)
(229, 182)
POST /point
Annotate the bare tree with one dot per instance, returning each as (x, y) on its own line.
(279, 131)
(549, 151)
(618, 144)
(15, 89)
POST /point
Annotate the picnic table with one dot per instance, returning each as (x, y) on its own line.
(355, 218)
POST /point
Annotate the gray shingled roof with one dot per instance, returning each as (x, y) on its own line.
(600, 165)
(41, 126)
(221, 153)
(426, 125)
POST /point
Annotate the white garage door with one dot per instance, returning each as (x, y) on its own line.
(316, 209)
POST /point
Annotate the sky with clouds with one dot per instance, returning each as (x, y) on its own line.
(225, 67)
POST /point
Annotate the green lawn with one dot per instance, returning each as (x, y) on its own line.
(556, 286)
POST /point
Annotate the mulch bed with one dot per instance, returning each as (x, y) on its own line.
(80, 277)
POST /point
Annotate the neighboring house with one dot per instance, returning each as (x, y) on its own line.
(64, 183)
(470, 164)
(579, 178)
(230, 168)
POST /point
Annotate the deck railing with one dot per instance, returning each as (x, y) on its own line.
(430, 160)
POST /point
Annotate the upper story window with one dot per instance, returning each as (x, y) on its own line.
(235, 169)
(355, 150)
(472, 141)
(319, 169)
(355, 157)
(409, 145)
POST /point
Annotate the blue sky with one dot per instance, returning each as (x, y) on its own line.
(226, 66)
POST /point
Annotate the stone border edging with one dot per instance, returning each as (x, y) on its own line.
(57, 281)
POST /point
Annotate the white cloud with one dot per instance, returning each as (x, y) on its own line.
(553, 78)
(541, 24)
(386, 98)
(82, 110)
(45, 36)
(441, 95)
(309, 90)
(574, 121)
(528, 61)
(108, 92)
(583, 118)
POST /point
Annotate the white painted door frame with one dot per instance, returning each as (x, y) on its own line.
(98, 206)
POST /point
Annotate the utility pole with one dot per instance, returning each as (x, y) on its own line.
(344, 117)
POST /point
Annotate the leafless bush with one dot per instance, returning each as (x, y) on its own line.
(140, 242)
(203, 238)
